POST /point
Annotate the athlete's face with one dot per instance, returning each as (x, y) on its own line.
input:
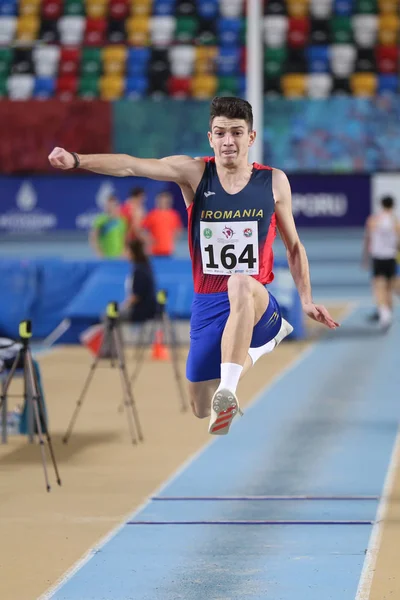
(230, 139)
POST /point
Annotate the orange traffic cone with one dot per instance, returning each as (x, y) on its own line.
(92, 338)
(159, 351)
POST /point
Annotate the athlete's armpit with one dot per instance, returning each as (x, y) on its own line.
(283, 209)
(187, 171)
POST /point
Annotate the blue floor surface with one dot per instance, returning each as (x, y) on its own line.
(325, 428)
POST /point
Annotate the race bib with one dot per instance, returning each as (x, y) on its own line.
(230, 247)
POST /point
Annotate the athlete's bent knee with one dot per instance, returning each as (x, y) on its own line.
(239, 286)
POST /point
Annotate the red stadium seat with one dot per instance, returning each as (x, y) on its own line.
(179, 87)
(119, 9)
(387, 58)
(95, 32)
(298, 32)
(52, 9)
(69, 61)
(66, 87)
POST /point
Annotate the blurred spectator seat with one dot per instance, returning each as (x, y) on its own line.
(20, 87)
(294, 85)
(182, 60)
(71, 30)
(363, 84)
(138, 29)
(46, 60)
(114, 60)
(44, 88)
(162, 30)
(111, 87)
(319, 85)
(204, 86)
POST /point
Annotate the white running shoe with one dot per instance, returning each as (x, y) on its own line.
(224, 407)
(285, 330)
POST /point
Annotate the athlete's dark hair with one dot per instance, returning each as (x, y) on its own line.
(231, 108)
(387, 202)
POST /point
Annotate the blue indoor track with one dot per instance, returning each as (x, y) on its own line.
(280, 509)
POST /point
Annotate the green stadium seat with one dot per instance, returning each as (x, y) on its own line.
(228, 85)
(6, 58)
(74, 8)
(274, 61)
(341, 30)
(91, 63)
(186, 29)
(88, 87)
(3, 86)
(366, 7)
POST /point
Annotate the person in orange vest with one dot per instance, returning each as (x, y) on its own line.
(164, 226)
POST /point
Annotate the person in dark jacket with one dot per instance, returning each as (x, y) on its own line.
(141, 302)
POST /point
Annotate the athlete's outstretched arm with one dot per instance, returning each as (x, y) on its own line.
(180, 169)
(296, 254)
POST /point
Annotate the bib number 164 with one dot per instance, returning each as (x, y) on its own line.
(228, 259)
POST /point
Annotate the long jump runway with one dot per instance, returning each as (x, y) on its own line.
(280, 509)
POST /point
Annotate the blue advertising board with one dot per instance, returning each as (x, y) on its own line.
(43, 204)
(331, 200)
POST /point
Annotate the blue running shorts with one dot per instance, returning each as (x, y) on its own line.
(209, 315)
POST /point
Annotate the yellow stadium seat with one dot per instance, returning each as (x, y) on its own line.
(29, 8)
(363, 84)
(114, 59)
(204, 86)
(111, 87)
(388, 30)
(141, 8)
(27, 28)
(298, 8)
(138, 30)
(388, 7)
(96, 9)
(294, 85)
(116, 53)
(205, 58)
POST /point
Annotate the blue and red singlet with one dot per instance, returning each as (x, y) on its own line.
(228, 233)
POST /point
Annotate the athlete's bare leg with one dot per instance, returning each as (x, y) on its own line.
(201, 392)
(382, 289)
(248, 301)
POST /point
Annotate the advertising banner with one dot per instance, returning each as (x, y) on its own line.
(31, 129)
(330, 200)
(41, 204)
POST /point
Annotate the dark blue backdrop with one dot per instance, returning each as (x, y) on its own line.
(69, 203)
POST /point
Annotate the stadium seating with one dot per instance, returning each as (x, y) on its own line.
(195, 48)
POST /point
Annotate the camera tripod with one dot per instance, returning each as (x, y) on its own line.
(33, 398)
(113, 338)
(163, 321)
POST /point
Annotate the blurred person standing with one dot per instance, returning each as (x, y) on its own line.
(140, 304)
(164, 225)
(133, 211)
(381, 245)
(107, 236)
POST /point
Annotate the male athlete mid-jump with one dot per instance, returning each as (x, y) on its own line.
(234, 208)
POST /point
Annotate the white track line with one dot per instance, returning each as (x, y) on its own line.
(129, 517)
(368, 571)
